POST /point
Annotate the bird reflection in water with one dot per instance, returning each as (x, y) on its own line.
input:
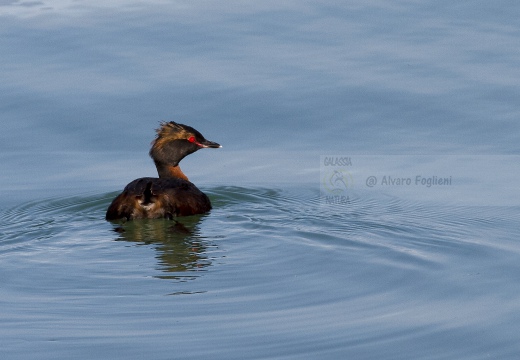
(181, 251)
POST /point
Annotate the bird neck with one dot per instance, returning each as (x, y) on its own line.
(170, 171)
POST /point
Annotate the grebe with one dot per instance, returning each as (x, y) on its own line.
(172, 194)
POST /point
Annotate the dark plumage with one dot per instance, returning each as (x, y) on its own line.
(172, 194)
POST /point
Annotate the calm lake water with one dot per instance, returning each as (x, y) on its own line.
(365, 198)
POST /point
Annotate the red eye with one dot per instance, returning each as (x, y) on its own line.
(191, 139)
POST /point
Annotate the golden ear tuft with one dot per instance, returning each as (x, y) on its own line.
(169, 129)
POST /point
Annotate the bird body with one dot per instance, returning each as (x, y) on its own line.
(171, 194)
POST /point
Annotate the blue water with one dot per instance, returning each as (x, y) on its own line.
(276, 270)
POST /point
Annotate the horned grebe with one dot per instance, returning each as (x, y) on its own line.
(172, 194)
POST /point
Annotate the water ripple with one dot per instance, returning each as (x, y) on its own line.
(413, 231)
(266, 261)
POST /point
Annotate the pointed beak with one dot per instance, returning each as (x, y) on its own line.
(209, 144)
